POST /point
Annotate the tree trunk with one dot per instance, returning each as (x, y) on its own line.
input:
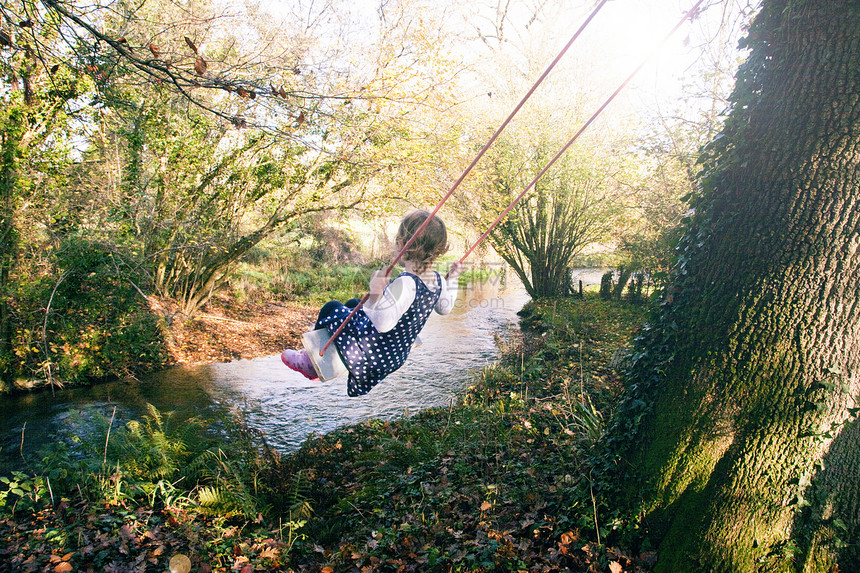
(738, 424)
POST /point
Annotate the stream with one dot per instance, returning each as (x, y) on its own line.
(282, 404)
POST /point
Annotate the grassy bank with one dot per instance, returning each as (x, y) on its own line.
(493, 483)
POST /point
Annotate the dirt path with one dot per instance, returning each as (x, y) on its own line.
(226, 330)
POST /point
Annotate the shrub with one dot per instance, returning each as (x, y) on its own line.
(85, 319)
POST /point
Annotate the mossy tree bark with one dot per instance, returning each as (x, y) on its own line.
(740, 420)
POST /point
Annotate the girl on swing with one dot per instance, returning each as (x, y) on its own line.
(378, 338)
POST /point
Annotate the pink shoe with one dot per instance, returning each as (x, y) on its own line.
(299, 361)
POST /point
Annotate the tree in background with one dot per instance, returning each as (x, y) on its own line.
(197, 132)
(36, 114)
(193, 196)
(571, 207)
(741, 426)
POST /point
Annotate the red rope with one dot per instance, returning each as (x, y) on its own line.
(470, 167)
(528, 187)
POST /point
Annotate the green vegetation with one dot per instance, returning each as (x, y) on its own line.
(495, 482)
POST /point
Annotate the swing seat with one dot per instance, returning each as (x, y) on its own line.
(329, 365)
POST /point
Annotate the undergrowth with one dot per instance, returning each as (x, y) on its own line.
(497, 481)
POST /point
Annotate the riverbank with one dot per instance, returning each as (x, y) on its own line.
(228, 330)
(495, 482)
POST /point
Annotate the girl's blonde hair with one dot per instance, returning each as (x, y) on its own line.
(431, 243)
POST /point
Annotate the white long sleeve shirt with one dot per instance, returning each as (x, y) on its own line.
(400, 294)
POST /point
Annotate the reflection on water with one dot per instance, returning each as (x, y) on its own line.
(283, 404)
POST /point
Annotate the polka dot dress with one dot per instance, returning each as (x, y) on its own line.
(370, 355)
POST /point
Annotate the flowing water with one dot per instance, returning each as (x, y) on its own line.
(284, 405)
(281, 403)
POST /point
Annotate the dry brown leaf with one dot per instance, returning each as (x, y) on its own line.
(615, 567)
(486, 505)
(63, 567)
(200, 66)
(191, 44)
(301, 119)
(154, 49)
(268, 553)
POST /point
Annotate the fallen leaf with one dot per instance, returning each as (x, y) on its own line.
(301, 119)
(63, 567)
(283, 93)
(154, 49)
(179, 563)
(200, 66)
(326, 570)
(191, 44)
(268, 553)
(248, 568)
(486, 505)
(615, 567)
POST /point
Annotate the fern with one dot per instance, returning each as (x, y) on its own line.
(299, 506)
(216, 472)
(214, 498)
